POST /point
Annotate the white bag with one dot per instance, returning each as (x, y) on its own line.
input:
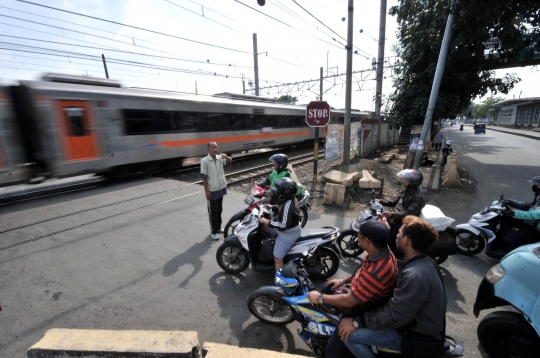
(435, 217)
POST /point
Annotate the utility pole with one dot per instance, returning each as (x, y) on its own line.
(105, 65)
(243, 83)
(435, 87)
(348, 88)
(256, 64)
(380, 66)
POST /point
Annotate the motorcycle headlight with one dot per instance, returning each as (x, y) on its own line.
(495, 274)
(279, 282)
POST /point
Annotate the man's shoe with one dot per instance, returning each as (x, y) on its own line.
(214, 236)
(220, 231)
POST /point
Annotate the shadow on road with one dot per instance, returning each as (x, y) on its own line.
(192, 256)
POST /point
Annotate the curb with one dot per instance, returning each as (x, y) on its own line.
(514, 133)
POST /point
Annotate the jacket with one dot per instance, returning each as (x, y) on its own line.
(418, 303)
(212, 169)
(275, 175)
(288, 215)
(409, 202)
(533, 214)
(525, 206)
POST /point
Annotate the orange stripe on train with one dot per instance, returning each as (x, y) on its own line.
(186, 142)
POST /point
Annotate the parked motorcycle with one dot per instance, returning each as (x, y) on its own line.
(461, 128)
(251, 244)
(288, 301)
(487, 226)
(446, 151)
(513, 282)
(251, 202)
(439, 251)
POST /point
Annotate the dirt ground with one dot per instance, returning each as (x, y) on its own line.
(356, 199)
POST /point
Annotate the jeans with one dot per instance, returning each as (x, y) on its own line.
(215, 208)
(361, 340)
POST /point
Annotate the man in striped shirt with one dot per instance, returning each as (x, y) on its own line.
(370, 287)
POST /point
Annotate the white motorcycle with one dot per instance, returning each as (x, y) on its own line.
(249, 243)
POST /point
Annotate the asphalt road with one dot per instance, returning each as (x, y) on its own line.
(155, 268)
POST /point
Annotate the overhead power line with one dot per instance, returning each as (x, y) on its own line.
(204, 17)
(136, 27)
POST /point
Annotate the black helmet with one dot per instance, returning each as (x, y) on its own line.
(414, 177)
(281, 159)
(285, 188)
(535, 180)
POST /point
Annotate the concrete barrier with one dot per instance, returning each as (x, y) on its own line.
(450, 177)
(368, 182)
(334, 194)
(338, 177)
(65, 343)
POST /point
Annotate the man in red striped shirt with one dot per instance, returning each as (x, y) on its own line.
(370, 287)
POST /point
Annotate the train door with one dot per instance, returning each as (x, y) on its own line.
(77, 127)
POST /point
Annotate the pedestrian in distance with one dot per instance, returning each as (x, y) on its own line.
(215, 185)
(438, 140)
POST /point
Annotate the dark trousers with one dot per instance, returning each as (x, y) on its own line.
(215, 207)
(438, 146)
(525, 236)
(335, 348)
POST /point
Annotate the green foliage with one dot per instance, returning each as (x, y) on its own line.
(356, 155)
(482, 110)
(466, 75)
(287, 99)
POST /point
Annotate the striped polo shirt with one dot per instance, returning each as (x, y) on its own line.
(376, 279)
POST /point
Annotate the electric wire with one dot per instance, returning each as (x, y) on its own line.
(135, 27)
(219, 23)
(206, 7)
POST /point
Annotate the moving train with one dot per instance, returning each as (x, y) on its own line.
(67, 125)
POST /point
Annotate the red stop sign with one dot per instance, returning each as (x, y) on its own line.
(318, 113)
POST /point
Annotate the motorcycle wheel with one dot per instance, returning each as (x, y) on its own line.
(330, 263)
(225, 257)
(508, 335)
(262, 305)
(348, 243)
(469, 244)
(230, 227)
(304, 218)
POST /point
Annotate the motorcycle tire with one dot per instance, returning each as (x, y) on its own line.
(507, 335)
(231, 258)
(348, 243)
(474, 243)
(261, 306)
(325, 257)
(305, 216)
(230, 227)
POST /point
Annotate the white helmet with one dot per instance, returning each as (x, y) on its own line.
(414, 177)
(449, 142)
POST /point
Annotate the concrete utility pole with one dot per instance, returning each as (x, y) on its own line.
(435, 87)
(348, 88)
(104, 65)
(380, 67)
(256, 64)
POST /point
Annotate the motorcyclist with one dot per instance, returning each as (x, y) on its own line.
(447, 150)
(528, 205)
(409, 202)
(285, 225)
(280, 171)
(461, 127)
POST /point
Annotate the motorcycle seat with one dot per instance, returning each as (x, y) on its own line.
(313, 233)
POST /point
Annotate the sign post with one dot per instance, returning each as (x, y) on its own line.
(317, 115)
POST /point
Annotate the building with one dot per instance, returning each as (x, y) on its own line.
(522, 112)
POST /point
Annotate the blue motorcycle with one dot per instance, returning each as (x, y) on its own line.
(512, 282)
(288, 301)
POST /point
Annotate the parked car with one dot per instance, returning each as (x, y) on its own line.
(513, 282)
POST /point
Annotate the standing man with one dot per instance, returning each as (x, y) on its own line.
(215, 186)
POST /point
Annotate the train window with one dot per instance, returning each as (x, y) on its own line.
(147, 122)
(75, 121)
(261, 121)
(186, 122)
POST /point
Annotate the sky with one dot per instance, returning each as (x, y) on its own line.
(206, 46)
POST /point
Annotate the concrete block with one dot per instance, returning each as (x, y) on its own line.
(451, 175)
(368, 182)
(334, 194)
(338, 177)
(387, 159)
(217, 350)
(65, 343)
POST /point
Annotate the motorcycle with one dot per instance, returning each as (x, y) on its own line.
(251, 244)
(487, 226)
(251, 202)
(461, 128)
(513, 282)
(439, 251)
(288, 301)
(446, 151)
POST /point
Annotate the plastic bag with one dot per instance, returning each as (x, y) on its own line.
(435, 217)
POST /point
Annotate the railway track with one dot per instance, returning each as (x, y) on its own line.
(233, 178)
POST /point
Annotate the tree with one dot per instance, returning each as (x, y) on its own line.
(482, 110)
(421, 25)
(287, 99)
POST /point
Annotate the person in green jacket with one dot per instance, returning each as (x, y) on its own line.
(280, 171)
(528, 234)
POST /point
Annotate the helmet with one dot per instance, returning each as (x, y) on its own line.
(535, 180)
(281, 159)
(449, 142)
(285, 188)
(414, 177)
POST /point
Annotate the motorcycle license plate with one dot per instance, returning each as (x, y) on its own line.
(249, 200)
